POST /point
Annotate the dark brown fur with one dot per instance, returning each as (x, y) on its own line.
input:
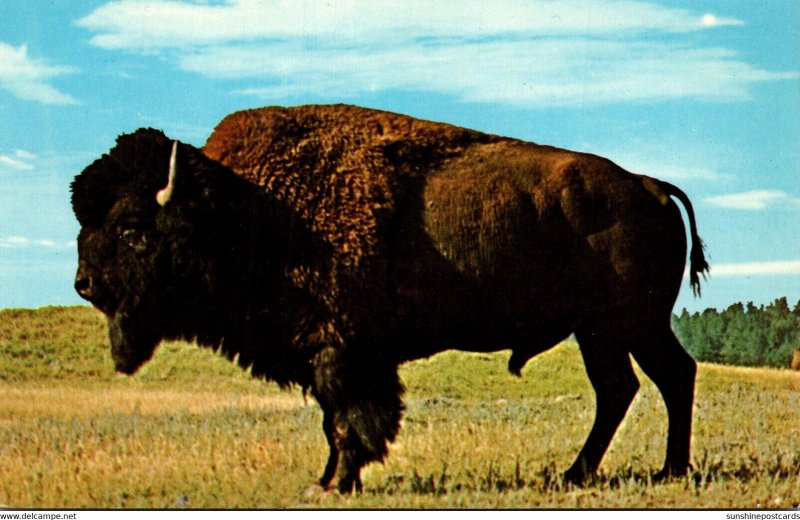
(418, 237)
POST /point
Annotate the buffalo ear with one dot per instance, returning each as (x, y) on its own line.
(163, 196)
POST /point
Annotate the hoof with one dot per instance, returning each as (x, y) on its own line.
(319, 491)
(668, 473)
(577, 478)
(350, 486)
(580, 473)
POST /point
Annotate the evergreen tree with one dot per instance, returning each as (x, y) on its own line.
(742, 334)
(708, 329)
(781, 336)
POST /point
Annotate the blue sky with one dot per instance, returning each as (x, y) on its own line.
(705, 94)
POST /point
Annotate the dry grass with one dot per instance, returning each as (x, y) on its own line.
(59, 401)
(192, 431)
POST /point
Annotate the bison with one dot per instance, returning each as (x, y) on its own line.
(322, 246)
(795, 363)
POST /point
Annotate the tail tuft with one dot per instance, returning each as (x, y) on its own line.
(697, 265)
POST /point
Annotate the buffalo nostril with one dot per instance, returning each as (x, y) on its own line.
(84, 286)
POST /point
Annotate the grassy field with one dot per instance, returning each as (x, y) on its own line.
(193, 431)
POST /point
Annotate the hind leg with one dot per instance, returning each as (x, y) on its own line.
(673, 370)
(611, 374)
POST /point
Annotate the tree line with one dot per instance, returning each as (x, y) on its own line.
(743, 335)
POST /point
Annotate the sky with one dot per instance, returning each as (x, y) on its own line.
(704, 94)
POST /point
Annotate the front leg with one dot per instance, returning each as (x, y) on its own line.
(353, 457)
(361, 399)
(333, 456)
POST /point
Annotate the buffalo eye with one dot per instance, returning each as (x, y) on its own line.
(134, 238)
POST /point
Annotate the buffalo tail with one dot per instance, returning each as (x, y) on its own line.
(697, 258)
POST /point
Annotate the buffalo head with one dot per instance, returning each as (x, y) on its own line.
(143, 248)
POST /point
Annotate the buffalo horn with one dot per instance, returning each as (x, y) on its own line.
(165, 194)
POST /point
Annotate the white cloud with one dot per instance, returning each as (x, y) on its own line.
(529, 72)
(26, 155)
(535, 53)
(710, 20)
(17, 241)
(153, 24)
(15, 163)
(21, 160)
(774, 268)
(751, 200)
(29, 78)
(749, 269)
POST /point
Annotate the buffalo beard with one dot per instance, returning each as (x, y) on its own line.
(132, 342)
